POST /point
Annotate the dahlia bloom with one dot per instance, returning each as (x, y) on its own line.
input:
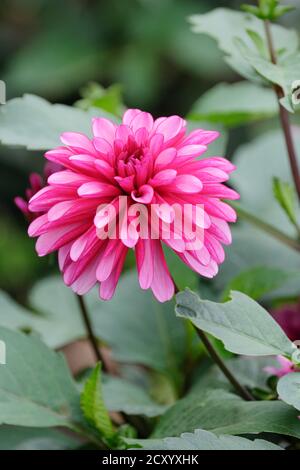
(150, 162)
(288, 317)
(285, 366)
(36, 183)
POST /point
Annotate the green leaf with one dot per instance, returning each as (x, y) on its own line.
(34, 123)
(225, 25)
(285, 194)
(289, 389)
(224, 413)
(269, 148)
(204, 440)
(241, 323)
(93, 406)
(36, 388)
(250, 371)
(121, 395)
(258, 281)
(283, 73)
(251, 247)
(235, 104)
(267, 9)
(57, 324)
(259, 43)
(95, 96)
(24, 438)
(253, 10)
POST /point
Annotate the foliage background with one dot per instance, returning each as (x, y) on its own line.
(145, 49)
(54, 48)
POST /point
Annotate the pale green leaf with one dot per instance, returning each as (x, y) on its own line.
(241, 324)
(289, 389)
(56, 323)
(225, 25)
(283, 73)
(205, 440)
(257, 163)
(24, 438)
(286, 196)
(34, 123)
(36, 388)
(235, 104)
(121, 395)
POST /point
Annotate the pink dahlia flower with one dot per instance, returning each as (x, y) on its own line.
(36, 182)
(285, 366)
(150, 162)
(288, 317)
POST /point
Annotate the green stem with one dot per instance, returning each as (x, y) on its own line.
(274, 232)
(283, 114)
(242, 391)
(91, 336)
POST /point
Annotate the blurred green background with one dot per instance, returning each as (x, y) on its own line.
(54, 48)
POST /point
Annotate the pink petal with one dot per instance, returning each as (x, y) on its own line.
(104, 128)
(108, 287)
(165, 157)
(129, 115)
(170, 127)
(191, 150)
(97, 189)
(162, 284)
(163, 177)
(142, 120)
(188, 184)
(77, 141)
(144, 194)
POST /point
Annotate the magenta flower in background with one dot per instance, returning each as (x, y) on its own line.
(150, 162)
(285, 366)
(36, 182)
(288, 318)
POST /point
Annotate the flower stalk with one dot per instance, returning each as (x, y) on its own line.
(242, 391)
(91, 336)
(265, 227)
(283, 114)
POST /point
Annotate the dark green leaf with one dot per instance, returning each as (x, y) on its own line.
(24, 438)
(223, 413)
(36, 388)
